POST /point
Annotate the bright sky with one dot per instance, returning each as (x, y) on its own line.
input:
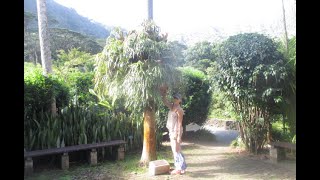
(186, 16)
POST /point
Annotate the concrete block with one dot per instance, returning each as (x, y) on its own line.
(65, 161)
(28, 166)
(277, 154)
(93, 160)
(158, 167)
(120, 153)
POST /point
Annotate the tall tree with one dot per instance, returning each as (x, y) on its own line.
(200, 55)
(253, 74)
(285, 28)
(45, 44)
(132, 66)
(150, 9)
(289, 51)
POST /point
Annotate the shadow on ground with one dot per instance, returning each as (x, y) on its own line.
(218, 161)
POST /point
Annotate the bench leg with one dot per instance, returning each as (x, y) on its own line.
(65, 161)
(282, 153)
(277, 154)
(120, 153)
(28, 166)
(93, 157)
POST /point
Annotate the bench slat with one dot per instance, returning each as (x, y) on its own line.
(283, 144)
(72, 148)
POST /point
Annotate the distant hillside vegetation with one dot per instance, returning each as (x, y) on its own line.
(62, 17)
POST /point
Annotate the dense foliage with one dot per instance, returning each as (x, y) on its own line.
(60, 39)
(289, 103)
(134, 65)
(221, 105)
(196, 103)
(80, 125)
(37, 89)
(200, 55)
(76, 69)
(252, 73)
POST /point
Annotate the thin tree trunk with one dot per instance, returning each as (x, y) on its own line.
(150, 9)
(45, 45)
(36, 57)
(269, 133)
(285, 28)
(44, 37)
(149, 136)
(283, 123)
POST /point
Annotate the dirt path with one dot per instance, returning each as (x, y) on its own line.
(217, 160)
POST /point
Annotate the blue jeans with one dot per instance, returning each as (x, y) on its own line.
(179, 160)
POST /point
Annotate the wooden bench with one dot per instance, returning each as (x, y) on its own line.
(65, 150)
(277, 150)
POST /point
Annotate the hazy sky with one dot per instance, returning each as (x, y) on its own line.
(185, 16)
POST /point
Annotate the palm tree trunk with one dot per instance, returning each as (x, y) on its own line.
(45, 44)
(285, 28)
(149, 135)
(150, 9)
(269, 132)
(44, 37)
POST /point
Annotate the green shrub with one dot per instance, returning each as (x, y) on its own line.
(38, 89)
(76, 68)
(252, 74)
(237, 143)
(278, 134)
(197, 96)
(221, 106)
(80, 83)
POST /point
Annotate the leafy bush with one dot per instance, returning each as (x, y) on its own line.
(278, 134)
(200, 55)
(79, 84)
(38, 89)
(237, 143)
(76, 68)
(197, 96)
(221, 105)
(252, 73)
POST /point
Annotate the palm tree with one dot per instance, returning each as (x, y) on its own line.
(285, 27)
(289, 51)
(150, 9)
(132, 66)
(45, 44)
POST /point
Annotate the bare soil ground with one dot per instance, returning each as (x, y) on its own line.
(209, 160)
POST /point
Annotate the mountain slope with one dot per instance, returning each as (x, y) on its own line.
(62, 17)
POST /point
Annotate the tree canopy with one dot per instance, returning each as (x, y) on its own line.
(134, 65)
(252, 73)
